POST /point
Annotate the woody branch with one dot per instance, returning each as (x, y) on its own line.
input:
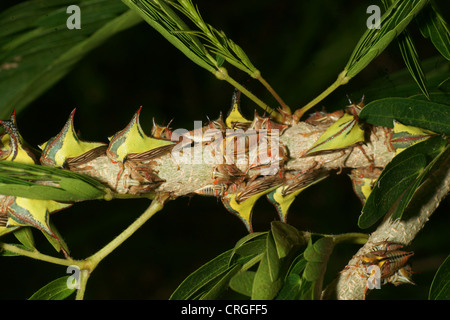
(349, 285)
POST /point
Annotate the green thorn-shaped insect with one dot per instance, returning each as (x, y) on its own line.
(405, 136)
(363, 180)
(345, 132)
(133, 143)
(235, 119)
(283, 196)
(67, 148)
(32, 212)
(12, 145)
(241, 203)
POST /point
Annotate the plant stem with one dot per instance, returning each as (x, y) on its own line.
(39, 256)
(222, 74)
(95, 259)
(83, 282)
(269, 88)
(342, 79)
(351, 237)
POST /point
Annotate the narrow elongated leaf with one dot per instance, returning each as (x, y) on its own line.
(440, 287)
(411, 58)
(204, 279)
(400, 179)
(157, 17)
(409, 193)
(55, 290)
(433, 26)
(243, 283)
(220, 284)
(39, 49)
(374, 41)
(25, 236)
(26, 180)
(196, 280)
(413, 112)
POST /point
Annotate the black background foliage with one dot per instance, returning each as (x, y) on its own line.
(300, 47)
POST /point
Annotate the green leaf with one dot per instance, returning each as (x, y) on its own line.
(36, 42)
(438, 97)
(400, 179)
(291, 288)
(201, 281)
(286, 238)
(243, 282)
(316, 255)
(410, 56)
(168, 24)
(374, 41)
(298, 265)
(25, 180)
(433, 26)
(267, 282)
(412, 62)
(196, 280)
(413, 112)
(59, 243)
(219, 285)
(25, 236)
(440, 287)
(55, 290)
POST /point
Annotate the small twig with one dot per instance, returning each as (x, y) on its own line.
(269, 88)
(341, 80)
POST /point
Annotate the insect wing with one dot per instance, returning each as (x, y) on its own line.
(343, 133)
(406, 136)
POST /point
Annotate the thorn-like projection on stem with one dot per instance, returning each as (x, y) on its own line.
(345, 132)
(406, 136)
(66, 149)
(12, 145)
(132, 142)
(242, 201)
(33, 212)
(283, 196)
(235, 119)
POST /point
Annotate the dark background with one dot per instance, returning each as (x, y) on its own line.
(300, 48)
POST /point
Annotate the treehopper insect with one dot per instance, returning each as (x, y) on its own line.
(402, 276)
(235, 119)
(405, 136)
(31, 212)
(134, 146)
(211, 190)
(12, 145)
(66, 149)
(363, 180)
(388, 261)
(133, 143)
(283, 196)
(241, 203)
(161, 132)
(345, 132)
